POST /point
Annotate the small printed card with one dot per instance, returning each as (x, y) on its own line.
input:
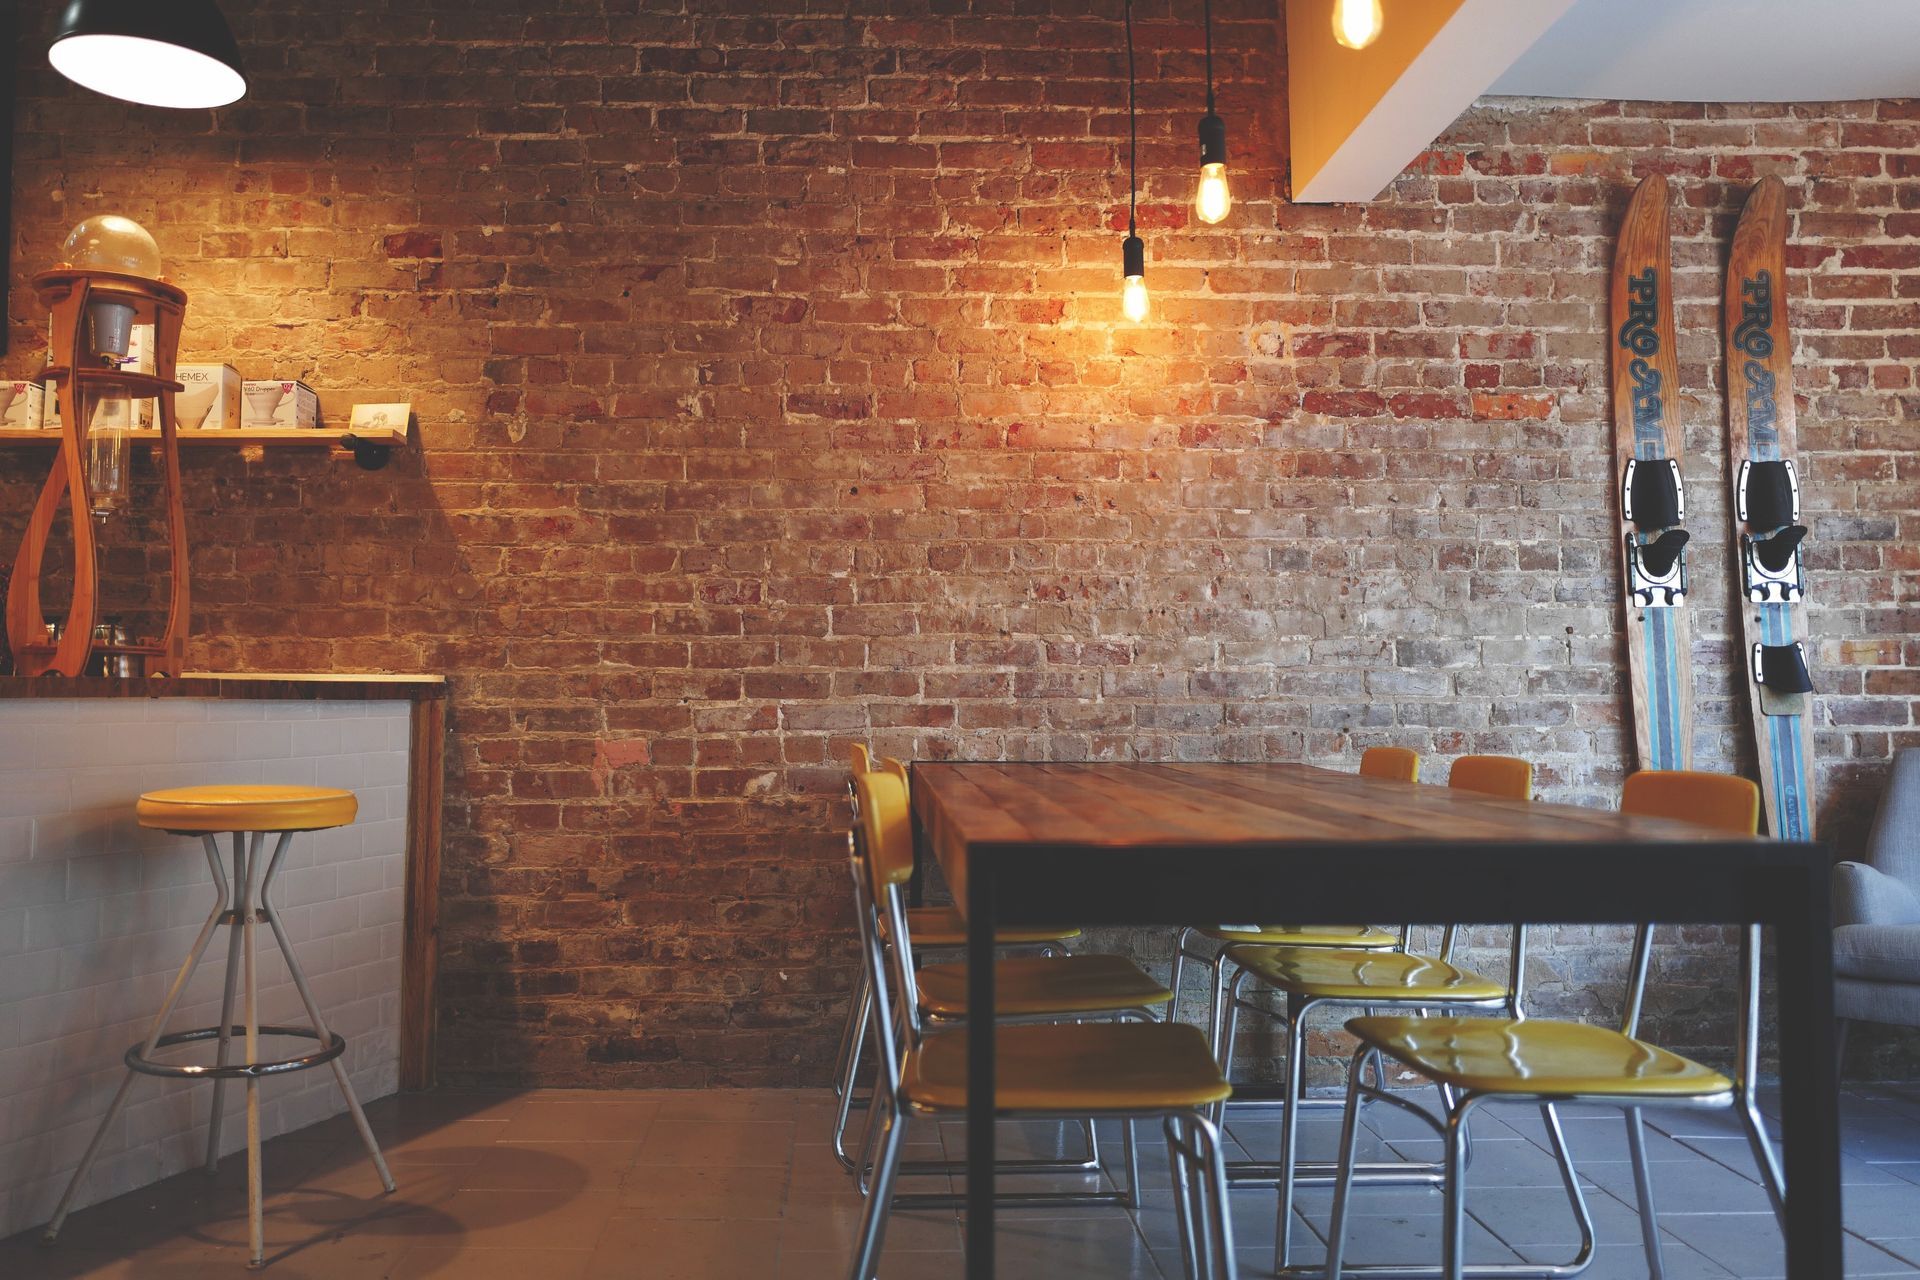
(381, 417)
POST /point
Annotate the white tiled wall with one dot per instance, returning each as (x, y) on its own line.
(97, 914)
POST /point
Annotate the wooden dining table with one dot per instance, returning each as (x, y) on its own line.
(1137, 844)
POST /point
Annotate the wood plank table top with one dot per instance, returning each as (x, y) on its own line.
(1037, 810)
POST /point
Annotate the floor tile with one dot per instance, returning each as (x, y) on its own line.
(656, 1249)
(718, 1142)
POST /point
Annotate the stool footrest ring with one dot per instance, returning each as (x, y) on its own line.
(329, 1049)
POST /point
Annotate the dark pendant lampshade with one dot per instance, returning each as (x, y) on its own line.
(162, 53)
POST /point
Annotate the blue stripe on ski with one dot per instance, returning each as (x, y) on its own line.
(1664, 668)
(1790, 821)
(1663, 675)
(1783, 753)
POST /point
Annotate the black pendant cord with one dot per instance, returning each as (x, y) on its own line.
(1206, 9)
(1133, 131)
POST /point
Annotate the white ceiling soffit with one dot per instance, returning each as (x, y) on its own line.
(1381, 137)
(1725, 51)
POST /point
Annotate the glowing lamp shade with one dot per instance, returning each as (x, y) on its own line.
(1357, 23)
(176, 53)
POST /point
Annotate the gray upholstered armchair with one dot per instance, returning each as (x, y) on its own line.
(1876, 911)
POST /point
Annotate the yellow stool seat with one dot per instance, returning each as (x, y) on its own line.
(1024, 986)
(1498, 1055)
(1327, 974)
(1367, 936)
(247, 807)
(1079, 1068)
(944, 927)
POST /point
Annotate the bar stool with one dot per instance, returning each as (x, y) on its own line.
(250, 813)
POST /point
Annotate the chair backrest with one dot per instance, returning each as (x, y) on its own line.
(1725, 803)
(861, 757)
(1893, 846)
(1506, 776)
(1718, 800)
(1399, 764)
(898, 768)
(885, 852)
(888, 828)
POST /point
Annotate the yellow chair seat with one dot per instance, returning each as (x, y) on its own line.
(1024, 986)
(944, 927)
(246, 807)
(1368, 936)
(1325, 973)
(1496, 1055)
(1078, 1068)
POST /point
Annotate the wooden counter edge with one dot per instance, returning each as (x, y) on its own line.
(264, 686)
(420, 944)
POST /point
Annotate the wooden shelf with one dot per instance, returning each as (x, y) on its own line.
(246, 435)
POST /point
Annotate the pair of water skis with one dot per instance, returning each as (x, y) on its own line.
(1649, 448)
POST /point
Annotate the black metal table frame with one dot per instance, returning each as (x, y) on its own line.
(1778, 884)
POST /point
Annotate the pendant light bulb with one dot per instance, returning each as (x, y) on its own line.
(1212, 200)
(1133, 269)
(1357, 23)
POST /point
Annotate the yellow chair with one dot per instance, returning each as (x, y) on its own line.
(1044, 989)
(932, 928)
(1111, 1070)
(250, 811)
(1550, 1062)
(1394, 764)
(1316, 978)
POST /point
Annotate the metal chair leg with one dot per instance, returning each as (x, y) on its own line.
(1179, 971)
(187, 967)
(1132, 1149)
(1343, 1180)
(873, 1224)
(855, 1025)
(1213, 1174)
(1290, 1130)
(1643, 1193)
(227, 992)
(1570, 1180)
(313, 1013)
(1453, 1223)
(849, 1073)
(1174, 1127)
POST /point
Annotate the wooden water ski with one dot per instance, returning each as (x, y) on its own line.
(1766, 509)
(1648, 444)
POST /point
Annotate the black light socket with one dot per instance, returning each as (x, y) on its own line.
(1213, 139)
(1133, 257)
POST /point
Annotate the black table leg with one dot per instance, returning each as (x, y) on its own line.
(1809, 1080)
(980, 1156)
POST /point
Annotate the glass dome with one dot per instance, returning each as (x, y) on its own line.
(109, 242)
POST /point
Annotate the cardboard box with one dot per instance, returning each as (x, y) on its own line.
(21, 405)
(283, 403)
(211, 401)
(139, 358)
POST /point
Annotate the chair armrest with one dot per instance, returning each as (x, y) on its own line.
(1865, 895)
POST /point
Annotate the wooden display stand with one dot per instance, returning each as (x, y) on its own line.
(77, 372)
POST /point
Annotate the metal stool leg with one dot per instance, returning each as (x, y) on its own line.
(256, 1216)
(226, 996)
(313, 1013)
(187, 967)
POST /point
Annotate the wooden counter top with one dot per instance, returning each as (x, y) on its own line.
(279, 686)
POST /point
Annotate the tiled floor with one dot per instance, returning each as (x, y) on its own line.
(716, 1185)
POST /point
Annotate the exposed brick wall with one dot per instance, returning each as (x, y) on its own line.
(773, 395)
